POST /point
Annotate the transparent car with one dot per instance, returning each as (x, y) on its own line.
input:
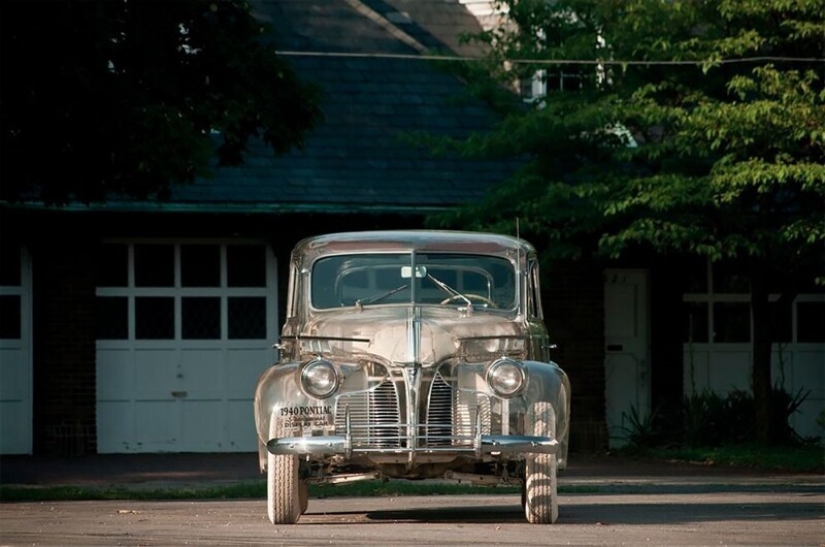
(413, 355)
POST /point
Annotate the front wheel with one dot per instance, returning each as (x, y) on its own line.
(539, 496)
(286, 494)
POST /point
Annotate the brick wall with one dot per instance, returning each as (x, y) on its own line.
(64, 347)
(573, 302)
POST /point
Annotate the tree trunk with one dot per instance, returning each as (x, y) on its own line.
(760, 317)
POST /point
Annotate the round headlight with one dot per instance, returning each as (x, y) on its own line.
(506, 377)
(319, 378)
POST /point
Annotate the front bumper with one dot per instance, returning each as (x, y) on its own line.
(482, 445)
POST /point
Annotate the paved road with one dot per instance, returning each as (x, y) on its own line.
(681, 515)
(638, 503)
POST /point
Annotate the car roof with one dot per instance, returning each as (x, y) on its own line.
(408, 240)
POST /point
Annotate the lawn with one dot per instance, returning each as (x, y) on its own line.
(804, 459)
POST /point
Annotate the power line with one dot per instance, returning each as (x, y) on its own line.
(599, 62)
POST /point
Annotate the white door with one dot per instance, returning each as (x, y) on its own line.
(626, 333)
(186, 329)
(15, 352)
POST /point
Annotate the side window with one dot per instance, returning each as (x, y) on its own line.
(292, 295)
(534, 292)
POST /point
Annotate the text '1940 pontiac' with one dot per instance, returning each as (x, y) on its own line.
(413, 354)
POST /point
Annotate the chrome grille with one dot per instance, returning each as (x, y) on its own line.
(466, 408)
(374, 417)
(439, 414)
(377, 423)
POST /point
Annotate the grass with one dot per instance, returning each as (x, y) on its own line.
(255, 490)
(802, 459)
(808, 458)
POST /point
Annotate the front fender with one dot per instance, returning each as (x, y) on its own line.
(276, 386)
(548, 382)
(278, 395)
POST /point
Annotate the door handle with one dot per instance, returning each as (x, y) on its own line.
(179, 394)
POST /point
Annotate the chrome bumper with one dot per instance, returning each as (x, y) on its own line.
(482, 445)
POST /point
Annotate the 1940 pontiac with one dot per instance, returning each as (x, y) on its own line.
(413, 355)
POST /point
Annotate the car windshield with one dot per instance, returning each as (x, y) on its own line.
(424, 278)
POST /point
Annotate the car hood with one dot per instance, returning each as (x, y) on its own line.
(406, 335)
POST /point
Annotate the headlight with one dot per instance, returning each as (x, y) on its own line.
(506, 377)
(319, 378)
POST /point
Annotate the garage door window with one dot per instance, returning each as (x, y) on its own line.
(10, 280)
(112, 317)
(10, 316)
(247, 317)
(201, 318)
(200, 265)
(154, 265)
(154, 318)
(192, 291)
(719, 312)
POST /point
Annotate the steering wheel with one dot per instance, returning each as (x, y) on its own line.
(470, 296)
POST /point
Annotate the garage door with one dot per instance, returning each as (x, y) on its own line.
(15, 351)
(184, 330)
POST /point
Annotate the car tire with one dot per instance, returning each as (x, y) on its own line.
(540, 488)
(283, 486)
(303, 496)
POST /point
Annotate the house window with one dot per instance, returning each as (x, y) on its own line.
(189, 291)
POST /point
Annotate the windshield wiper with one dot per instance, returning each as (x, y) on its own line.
(451, 291)
(376, 297)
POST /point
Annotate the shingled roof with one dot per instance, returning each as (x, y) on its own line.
(355, 160)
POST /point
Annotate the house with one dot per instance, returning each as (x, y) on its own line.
(142, 326)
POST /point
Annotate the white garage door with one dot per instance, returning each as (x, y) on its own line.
(184, 331)
(15, 352)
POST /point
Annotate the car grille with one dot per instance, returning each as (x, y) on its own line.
(377, 418)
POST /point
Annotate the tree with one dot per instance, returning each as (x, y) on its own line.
(103, 98)
(694, 126)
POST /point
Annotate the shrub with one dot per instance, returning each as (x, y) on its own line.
(707, 419)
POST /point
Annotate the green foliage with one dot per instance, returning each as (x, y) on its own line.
(808, 458)
(707, 419)
(104, 98)
(641, 430)
(692, 127)
(708, 150)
